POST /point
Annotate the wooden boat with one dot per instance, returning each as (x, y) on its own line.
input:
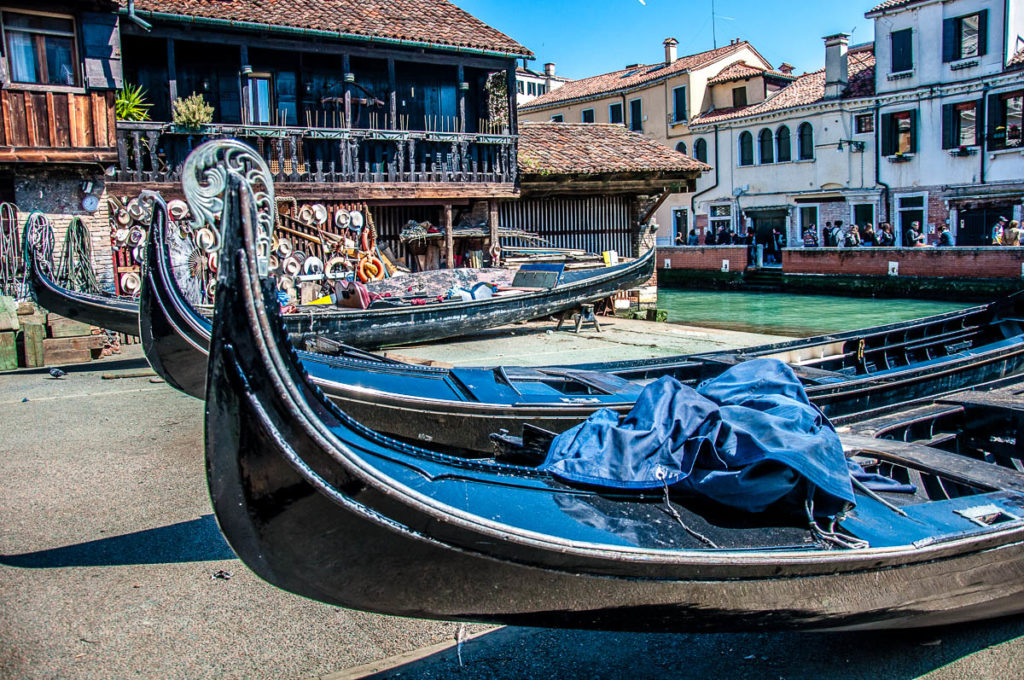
(320, 505)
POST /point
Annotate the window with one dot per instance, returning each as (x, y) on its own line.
(746, 149)
(960, 125)
(910, 209)
(739, 96)
(542, 88)
(700, 150)
(809, 218)
(965, 37)
(679, 101)
(681, 147)
(765, 144)
(805, 141)
(636, 121)
(899, 133)
(680, 223)
(260, 104)
(519, 87)
(615, 114)
(721, 216)
(558, 118)
(783, 147)
(41, 48)
(865, 123)
(587, 115)
(1005, 119)
(902, 43)
(863, 213)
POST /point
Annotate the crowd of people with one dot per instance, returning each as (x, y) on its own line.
(835, 235)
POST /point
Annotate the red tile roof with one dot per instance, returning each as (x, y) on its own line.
(434, 22)
(1017, 59)
(891, 4)
(741, 70)
(627, 79)
(595, 148)
(805, 90)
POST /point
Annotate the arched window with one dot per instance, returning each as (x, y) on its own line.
(700, 150)
(746, 149)
(806, 143)
(783, 149)
(681, 147)
(765, 146)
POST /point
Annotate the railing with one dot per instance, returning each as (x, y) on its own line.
(155, 152)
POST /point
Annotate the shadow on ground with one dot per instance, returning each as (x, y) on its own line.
(198, 540)
(546, 653)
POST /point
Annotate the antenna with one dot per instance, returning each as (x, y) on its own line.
(714, 37)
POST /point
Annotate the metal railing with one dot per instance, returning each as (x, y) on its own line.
(155, 152)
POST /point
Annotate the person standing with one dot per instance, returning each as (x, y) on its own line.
(868, 237)
(852, 237)
(692, 239)
(945, 237)
(826, 235)
(997, 231)
(1013, 235)
(837, 233)
(709, 236)
(886, 239)
(810, 236)
(914, 237)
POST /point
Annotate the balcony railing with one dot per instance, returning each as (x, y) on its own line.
(155, 152)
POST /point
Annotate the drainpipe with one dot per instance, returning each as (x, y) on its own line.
(878, 168)
(143, 24)
(982, 125)
(693, 199)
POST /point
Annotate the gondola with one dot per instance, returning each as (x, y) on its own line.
(849, 375)
(322, 506)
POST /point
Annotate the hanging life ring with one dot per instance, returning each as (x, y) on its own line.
(370, 269)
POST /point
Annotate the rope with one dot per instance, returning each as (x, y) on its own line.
(674, 514)
(39, 234)
(75, 269)
(10, 260)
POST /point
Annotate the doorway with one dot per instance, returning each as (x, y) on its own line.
(975, 228)
(765, 223)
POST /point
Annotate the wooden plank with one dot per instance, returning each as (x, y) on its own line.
(85, 132)
(59, 132)
(76, 137)
(449, 238)
(30, 119)
(14, 109)
(62, 357)
(67, 328)
(8, 313)
(51, 118)
(32, 336)
(86, 342)
(111, 120)
(8, 351)
(99, 119)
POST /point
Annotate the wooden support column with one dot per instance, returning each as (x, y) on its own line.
(460, 124)
(393, 87)
(346, 68)
(492, 222)
(172, 72)
(513, 127)
(449, 237)
(243, 82)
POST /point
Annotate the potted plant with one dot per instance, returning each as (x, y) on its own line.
(192, 113)
(130, 103)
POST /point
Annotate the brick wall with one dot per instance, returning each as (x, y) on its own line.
(58, 194)
(704, 258)
(978, 263)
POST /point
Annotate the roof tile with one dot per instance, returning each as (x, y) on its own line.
(435, 22)
(595, 148)
(891, 4)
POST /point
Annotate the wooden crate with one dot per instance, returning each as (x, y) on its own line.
(62, 327)
(71, 350)
(8, 313)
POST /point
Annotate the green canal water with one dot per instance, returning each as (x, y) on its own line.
(793, 315)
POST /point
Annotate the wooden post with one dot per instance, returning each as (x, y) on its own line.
(393, 86)
(243, 83)
(346, 68)
(461, 124)
(449, 237)
(172, 73)
(492, 222)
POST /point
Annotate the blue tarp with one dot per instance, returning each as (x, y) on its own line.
(748, 438)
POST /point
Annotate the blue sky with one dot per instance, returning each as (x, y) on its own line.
(585, 38)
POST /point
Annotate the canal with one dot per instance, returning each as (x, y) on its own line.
(787, 314)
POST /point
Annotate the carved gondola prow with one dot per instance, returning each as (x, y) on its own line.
(204, 180)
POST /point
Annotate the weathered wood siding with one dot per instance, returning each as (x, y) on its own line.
(593, 223)
(72, 123)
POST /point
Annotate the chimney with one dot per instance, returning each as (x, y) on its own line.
(836, 69)
(549, 69)
(786, 68)
(670, 50)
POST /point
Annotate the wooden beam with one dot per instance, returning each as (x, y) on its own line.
(492, 222)
(10, 154)
(390, 193)
(449, 237)
(393, 92)
(172, 72)
(461, 124)
(654, 208)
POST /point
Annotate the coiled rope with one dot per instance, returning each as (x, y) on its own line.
(39, 234)
(10, 250)
(75, 270)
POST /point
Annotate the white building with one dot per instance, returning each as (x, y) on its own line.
(531, 84)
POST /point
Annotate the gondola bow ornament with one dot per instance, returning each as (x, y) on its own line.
(204, 181)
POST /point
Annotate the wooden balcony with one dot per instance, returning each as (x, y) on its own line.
(309, 160)
(57, 126)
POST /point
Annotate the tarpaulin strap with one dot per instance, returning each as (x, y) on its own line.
(675, 514)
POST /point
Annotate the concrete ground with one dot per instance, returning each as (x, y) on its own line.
(111, 564)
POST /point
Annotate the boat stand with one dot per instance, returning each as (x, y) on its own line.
(579, 315)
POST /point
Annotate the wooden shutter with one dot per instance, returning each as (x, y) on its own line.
(101, 51)
(950, 48)
(913, 131)
(982, 32)
(949, 116)
(979, 122)
(902, 50)
(888, 134)
(996, 137)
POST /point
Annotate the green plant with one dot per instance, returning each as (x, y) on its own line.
(130, 103)
(497, 98)
(192, 112)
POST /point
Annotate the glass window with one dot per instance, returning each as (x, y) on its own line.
(746, 148)
(902, 50)
(967, 40)
(865, 123)
(784, 148)
(636, 122)
(557, 118)
(519, 87)
(765, 143)
(679, 100)
(965, 122)
(260, 104)
(41, 49)
(739, 96)
(806, 141)
(904, 132)
(587, 116)
(615, 114)
(700, 150)
(681, 147)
